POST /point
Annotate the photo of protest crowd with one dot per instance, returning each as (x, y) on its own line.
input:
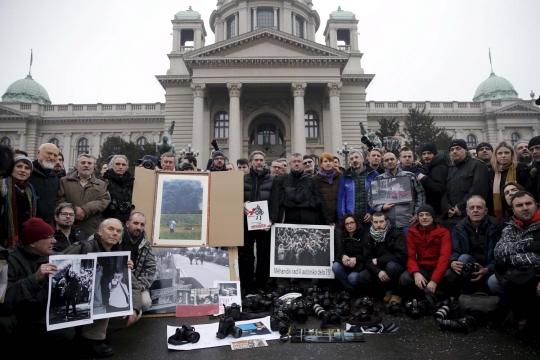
(302, 246)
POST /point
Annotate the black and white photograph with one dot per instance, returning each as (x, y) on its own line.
(302, 251)
(229, 293)
(113, 295)
(228, 288)
(71, 291)
(391, 191)
(180, 270)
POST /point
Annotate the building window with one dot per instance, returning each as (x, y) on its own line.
(265, 18)
(515, 137)
(231, 28)
(471, 140)
(312, 124)
(142, 141)
(83, 146)
(54, 141)
(221, 125)
(5, 141)
(299, 27)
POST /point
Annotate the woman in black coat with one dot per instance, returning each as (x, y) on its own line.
(120, 185)
(350, 254)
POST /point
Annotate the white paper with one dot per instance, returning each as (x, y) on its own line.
(257, 218)
(229, 292)
(3, 280)
(209, 339)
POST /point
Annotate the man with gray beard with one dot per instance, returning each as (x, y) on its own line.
(45, 181)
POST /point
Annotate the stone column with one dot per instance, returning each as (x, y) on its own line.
(334, 91)
(22, 140)
(236, 25)
(293, 24)
(275, 17)
(299, 134)
(254, 18)
(225, 35)
(198, 115)
(197, 39)
(500, 130)
(176, 40)
(66, 151)
(305, 30)
(235, 131)
(96, 144)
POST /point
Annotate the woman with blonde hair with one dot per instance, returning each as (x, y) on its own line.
(505, 168)
(328, 178)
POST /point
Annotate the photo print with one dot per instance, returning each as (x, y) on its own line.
(71, 291)
(391, 191)
(113, 294)
(229, 293)
(181, 214)
(302, 251)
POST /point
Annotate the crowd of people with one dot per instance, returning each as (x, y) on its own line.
(467, 212)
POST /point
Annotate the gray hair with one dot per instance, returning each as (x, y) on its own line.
(111, 163)
(521, 142)
(356, 151)
(256, 152)
(86, 156)
(475, 197)
(169, 154)
(60, 206)
(104, 223)
(295, 155)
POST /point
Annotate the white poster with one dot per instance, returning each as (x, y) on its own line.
(257, 217)
(229, 293)
(302, 251)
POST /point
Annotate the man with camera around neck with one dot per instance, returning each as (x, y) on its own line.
(120, 186)
(473, 241)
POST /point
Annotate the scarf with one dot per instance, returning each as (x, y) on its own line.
(497, 198)
(12, 221)
(378, 235)
(526, 224)
(329, 176)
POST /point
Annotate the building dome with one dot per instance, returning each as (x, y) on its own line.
(189, 14)
(495, 88)
(342, 15)
(28, 91)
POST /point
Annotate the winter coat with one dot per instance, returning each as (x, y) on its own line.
(415, 169)
(392, 249)
(461, 243)
(352, 246)
(300, 201)
(429, 249)
(262, 187)
(470, 177)
(121, 191)
(93, 199)
(400, 215)
(522, 178)
(63, 242)
(145, 267)
(535, 180)
(329, 192)
(434, 183)
(346, 199)
(512, 245)
(46, 184)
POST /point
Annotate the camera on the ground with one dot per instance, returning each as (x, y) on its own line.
(233, 311)
(415, 308)
(185, 334)
(280, 325)
(227, 327)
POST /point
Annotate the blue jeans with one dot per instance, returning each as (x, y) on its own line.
(466, 282)
(345, 275)
(404, 230)
(497, 289)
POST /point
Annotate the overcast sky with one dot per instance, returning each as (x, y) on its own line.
(110, 51)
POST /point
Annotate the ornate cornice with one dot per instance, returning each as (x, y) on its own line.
(107, 120)
(298, 89)
(173, 79)
(366, 78)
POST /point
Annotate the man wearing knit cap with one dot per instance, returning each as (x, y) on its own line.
(28, 284)
(434, 180)
(466, 177)
(534, 148)
(218, 161)
(484, 152)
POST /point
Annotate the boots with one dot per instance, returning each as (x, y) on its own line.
(396, 298)
(387, 296)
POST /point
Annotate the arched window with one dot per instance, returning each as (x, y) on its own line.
(83, 146)
(312, 124)
(299, 27)
(515, 137)
(54, 141)
(231, 27)
(221, 125)
(5, 141)
(266, 134)
(471, 140)
(142, 141)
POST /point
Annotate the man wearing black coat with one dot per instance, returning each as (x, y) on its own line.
(45, 181)
(534, 148)
(259, 185)
(434, 180)
(66, 232)
(120, 186)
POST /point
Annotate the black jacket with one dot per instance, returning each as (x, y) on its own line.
(352, 246)
(301, 202)
(121, 191)
(470, 177)
(63, 242)
(261, 187)
(535, 180)
(522, 178)
(434, 182)
(392, 249)
(46, 184)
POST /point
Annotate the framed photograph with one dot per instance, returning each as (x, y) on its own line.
(113, 295)
(181, 271)
(71, 291)
(393, 191)
(181, 212)
(302, 251)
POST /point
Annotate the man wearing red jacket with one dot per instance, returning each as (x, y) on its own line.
(429, 248)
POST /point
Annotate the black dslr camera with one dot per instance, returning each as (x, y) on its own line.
(299, 310)
(468, 269)
(215, 145)
(291, 289)
(326, 300)
(342, 309)
(148, 164)
(257, 303)
(415, 308)
(123, 207)
(279, 324)
(283, 311)
(313, 291)
(463, 325)
(185, 334)
(227, 327)
(329, 319)
(365, 140)
(232, 311)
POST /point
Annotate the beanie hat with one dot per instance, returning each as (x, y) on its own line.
(426, 208)
(429, 146)
(35, 229)
(24, 159)
(458, 142)
(186, 166)
(534, 141)
(484, 144)
(218, 153)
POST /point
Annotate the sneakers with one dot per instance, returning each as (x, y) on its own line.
(101, 350)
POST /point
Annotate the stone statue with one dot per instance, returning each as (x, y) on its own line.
(374, 139)
(362, 129)
(166, 145)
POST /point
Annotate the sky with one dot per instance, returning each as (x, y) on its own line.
(110, 51)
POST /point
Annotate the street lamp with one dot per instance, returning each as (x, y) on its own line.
(344, 151)
(189, 152)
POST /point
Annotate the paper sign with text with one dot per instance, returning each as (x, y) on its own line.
(257, 217)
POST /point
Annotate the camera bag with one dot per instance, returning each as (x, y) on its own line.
(479, 302)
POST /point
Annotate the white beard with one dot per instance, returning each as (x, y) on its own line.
(47, 165)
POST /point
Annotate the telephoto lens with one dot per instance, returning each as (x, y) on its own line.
(442, 313)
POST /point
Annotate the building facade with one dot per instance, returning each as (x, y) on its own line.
(265, 84)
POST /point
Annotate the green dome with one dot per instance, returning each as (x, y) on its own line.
(342, 15)
(28, 91)
(495, 88)
(189, 14)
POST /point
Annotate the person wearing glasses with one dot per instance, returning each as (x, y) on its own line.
(218, 161)
(66, 232)
(309, 165)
